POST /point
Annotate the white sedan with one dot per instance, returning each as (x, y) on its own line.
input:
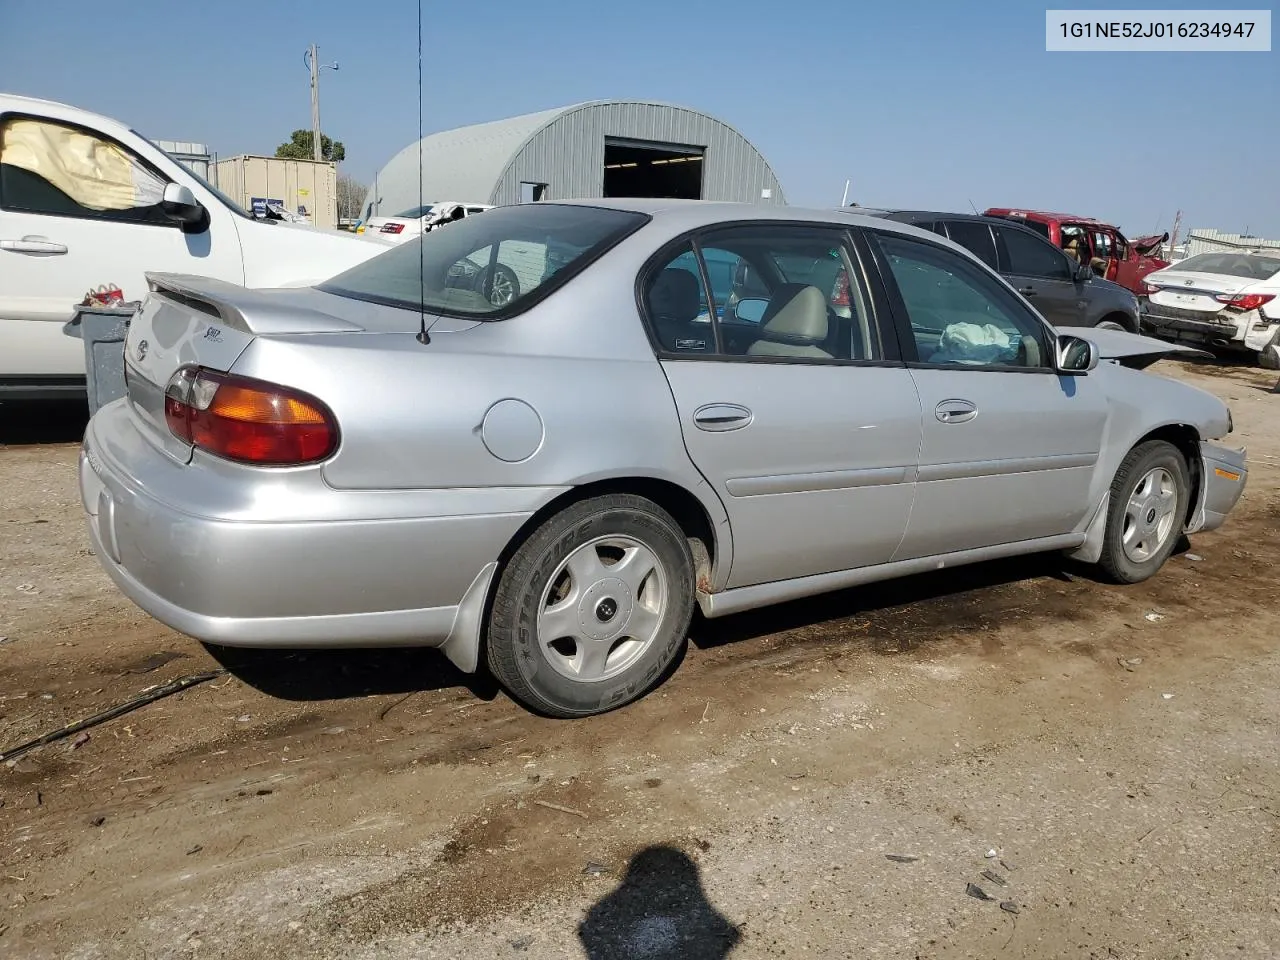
(419, 220)
(1230, 301)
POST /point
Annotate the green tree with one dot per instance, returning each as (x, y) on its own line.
(298, 147)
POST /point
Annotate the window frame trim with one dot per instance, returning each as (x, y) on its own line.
(902, 320)
(880, 321)
(9, 115)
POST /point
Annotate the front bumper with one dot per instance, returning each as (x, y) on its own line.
(365, 569)
(1224, 474)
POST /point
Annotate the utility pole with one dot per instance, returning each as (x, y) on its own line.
(312, 59)
(313, 54)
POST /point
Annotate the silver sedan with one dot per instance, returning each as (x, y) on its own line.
(548, 483)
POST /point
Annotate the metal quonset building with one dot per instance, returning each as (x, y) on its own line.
(607, 148)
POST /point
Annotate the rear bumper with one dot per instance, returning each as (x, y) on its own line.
(1225, 474)
(1247, 331)
(348, 576)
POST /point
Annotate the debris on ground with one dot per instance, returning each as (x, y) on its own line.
(975, 891)
(991, 854)
(79, 741)
(1166, 696)
(593, 869)
(900, 858)
(1130, 663)
(196, 849)
(158, 692)
(994, 878)
(1153, 617)
(97, 821)
(1194, 557)
(1008, 906)
(155, 661)
(556, 806)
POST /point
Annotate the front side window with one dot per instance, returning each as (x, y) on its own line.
(775, 292)
(1102, 245)
(61, 170)
(976, 238)
(488, 267)
(1029, 256)
(958, 314)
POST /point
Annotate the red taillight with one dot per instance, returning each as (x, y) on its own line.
(249, 421)
(1245, 301)
(392, 227)
(1149, 288)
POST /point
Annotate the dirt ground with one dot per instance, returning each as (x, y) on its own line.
(824, 779)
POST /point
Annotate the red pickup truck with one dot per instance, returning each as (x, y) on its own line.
(1099, 244)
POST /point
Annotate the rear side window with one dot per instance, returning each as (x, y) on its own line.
(976, 238)
(489, 267)
(66, 171)
(1030, 256)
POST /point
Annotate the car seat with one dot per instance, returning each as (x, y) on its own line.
(795, 324)
(674, 304)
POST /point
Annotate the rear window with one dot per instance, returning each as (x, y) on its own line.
(1246, 265)
(489, 267)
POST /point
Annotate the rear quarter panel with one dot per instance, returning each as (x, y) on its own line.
(413, 416)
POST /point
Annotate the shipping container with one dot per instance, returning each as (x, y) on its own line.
(305, 187)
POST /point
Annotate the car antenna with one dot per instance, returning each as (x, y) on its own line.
(975, 209)
(423, 336)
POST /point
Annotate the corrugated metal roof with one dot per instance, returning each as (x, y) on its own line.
(461, 164)
(564, 148)
(1215, 241)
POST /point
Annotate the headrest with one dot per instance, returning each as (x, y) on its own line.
(675, 295)
(797, 312)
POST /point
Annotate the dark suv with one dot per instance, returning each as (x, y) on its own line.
(1066, 293)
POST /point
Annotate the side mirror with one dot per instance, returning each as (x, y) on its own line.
(751, 310)
(180, 205)
(1074, 356)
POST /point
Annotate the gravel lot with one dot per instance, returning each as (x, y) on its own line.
(824, 779)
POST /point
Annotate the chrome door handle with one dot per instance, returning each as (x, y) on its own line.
(719, 417)
(33, 245)
(956, 411)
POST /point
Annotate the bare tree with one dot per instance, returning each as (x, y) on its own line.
(351, 193)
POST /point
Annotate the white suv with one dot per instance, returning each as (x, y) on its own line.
(87, 202)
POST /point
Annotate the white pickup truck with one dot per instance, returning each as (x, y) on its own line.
(87, 202)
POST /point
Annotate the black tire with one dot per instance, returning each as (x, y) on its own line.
(505, 280)
(1117, 563)
(520, 662)
(1116, 321)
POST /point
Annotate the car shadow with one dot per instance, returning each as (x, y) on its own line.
(311, 675)
(42, 421)
(943, 598)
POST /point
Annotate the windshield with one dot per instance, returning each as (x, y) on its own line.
(413, 213)
(1249, 265)
(489, 267)
(222, 197)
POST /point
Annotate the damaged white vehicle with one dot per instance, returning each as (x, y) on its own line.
(1227, 301)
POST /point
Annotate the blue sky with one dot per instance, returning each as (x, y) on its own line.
(920, 104)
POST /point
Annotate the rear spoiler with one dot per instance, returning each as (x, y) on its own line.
(254, 312)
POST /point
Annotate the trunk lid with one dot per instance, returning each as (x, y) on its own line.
(198, 321)
(1189, 290)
